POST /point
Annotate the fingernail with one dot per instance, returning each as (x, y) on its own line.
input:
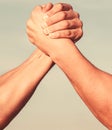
(45, 17)
(44, 25)
(46, 31)
(43, 5)
(53, 35)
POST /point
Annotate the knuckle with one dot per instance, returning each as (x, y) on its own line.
(69, 33)
(63, 15)
(81, 23)
(35, 10)
(80, 33)
(28, 23)
(77, 15)
(66, 24)
(49, 21)
(60, 6)
(77, 34)
(33, 13)
(64, 34)
(58, 35)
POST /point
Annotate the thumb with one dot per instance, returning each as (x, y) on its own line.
(47, 7)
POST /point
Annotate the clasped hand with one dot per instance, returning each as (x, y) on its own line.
(50, 23)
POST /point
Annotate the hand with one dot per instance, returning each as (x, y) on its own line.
(34, 28)
(61, 21)
(36, 35)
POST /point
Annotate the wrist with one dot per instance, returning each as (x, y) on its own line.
(62, 50)
(38, 55)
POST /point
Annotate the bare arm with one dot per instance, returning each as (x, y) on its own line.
(92, 84)
(17, 86)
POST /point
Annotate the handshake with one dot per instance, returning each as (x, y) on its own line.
(54, 29)
(50, 24)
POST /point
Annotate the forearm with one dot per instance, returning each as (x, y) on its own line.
(93, 85)
(17, 86)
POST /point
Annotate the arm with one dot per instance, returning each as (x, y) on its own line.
(17, 86)
(55, 21)
(93, 85)
(61, 21)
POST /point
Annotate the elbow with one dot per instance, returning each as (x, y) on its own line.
(3, 123)
(108, 122)
(5, 116)
(5, 119)
(105, 117)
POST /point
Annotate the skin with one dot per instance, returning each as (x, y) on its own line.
(59, 21)
(18, 85)
(93, 85)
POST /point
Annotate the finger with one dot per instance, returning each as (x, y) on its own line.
(63, 15)
(79, 34)
(65, 24)
(74, 34)
(30, 38)
(29, 33)
(47, 7)
(37, 9)
(29, 30)
(59, 7)
(30, 26)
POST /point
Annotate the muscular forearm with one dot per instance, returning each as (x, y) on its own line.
(17, 86)
(93, 85)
